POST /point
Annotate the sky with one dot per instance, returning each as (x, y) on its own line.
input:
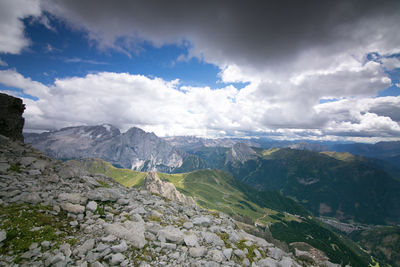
(318, 70)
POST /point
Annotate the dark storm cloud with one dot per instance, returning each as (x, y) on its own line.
(291, 54)
(256, 33)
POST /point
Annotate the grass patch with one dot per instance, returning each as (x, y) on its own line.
(250, 255)
(126, 177)
(26, 224)
(104, 184)
(154, 218)
(15, 168)
(224, 237)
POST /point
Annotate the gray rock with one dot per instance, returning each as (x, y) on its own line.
(4, 166)
(172, 234)
(123, 201)
(211, 264)
(26, 161)
(197, 252)
(109, 238)
(227, 253)
(268, 262)
(74, 198)
(101, 247)
(3, 235)
(122, 247)
(216, 255)
(191, 240)
(188, 225)
(45, 244)
(33, 246)
(234, 237)
(40, 165)
(169, 246)
(139, 210)
(85, 247)
(34, 172)
(288, 262)
(97, 264)
(203, 221)
(92, 256)
(133, 232)
(105, 194)
(276, 253)
(211, 238)
(57, 258)
(66, 249)
(246, 262)
(239, 253)
(73, 208)
(33, 198)
(117, 258)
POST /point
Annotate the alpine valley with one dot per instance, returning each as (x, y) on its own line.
(338, 202)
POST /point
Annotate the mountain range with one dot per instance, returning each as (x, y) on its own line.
(335, 184)
(134, 149)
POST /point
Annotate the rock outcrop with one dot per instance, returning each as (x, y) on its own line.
(11, 120)
(53, 214)
(154, 184)
(240, 152)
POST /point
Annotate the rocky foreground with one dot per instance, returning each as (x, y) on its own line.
(56, 214)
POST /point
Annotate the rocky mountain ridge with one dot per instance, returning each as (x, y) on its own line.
(134, 149)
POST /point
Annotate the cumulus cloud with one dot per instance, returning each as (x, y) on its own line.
(12, 38)
(391, 63)
(366, 117)
(167, 108)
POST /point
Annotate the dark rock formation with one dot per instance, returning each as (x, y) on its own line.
(11, 120)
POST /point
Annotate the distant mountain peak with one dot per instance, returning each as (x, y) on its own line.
(135, 148)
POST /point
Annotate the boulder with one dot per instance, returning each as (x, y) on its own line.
(73, 208)
(171, 234)
(133, 232)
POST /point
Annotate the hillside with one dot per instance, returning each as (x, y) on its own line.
(382, 242)
(388, 151)
(336, 185)
(218, 191)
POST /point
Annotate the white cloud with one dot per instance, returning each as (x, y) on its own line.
(167, 108)
(14, 79)
(366, 117)
(12, 38)
(391, 63)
